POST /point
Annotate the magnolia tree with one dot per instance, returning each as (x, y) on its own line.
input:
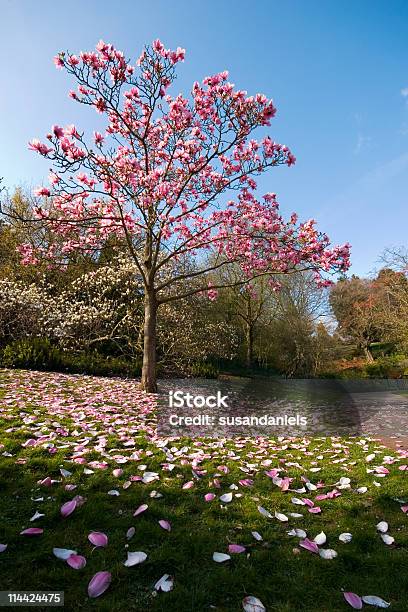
(175, 177)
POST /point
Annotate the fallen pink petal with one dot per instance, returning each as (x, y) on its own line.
(99, 584)
(76, 561)
(353, 600)
(68, 508)
(98, 538)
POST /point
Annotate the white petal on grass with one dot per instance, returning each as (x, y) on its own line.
(165, 583)
(373, 600)
(382, 527)
(387, 539)
(281, 517)
(297, 501)
(134, 558)
(299, 533)
(257, 536)
(155, 495)
(264, 512)
(320, 539)
(63, 553)
(253, 604)
(226, 498)
(311, 486)
(149, 477)
(345, 537)
(130, 533)
(327, 553)
(220, 557)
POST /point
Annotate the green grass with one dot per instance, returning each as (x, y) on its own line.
(283, 576)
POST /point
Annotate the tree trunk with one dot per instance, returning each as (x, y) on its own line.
(149, 381)
(250, 345)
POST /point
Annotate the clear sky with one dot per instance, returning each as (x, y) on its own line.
(336, 70)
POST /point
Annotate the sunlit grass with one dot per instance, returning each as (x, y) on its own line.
(283, 576)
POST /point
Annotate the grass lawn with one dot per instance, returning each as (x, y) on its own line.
(101, 433)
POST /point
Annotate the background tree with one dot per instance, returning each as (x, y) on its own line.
(155, 177)
(296, 332)
(355, 307)
(248, 305)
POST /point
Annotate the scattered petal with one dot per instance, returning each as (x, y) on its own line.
(236, 548)
(320, 539)
(63, 553)
(97, 538)
(140, 509)
(134, 558)
(68, 507)
(327, 553)
(130, 533)
(226, 498)
(253, 604)
(165, 583)
(309, 545)
(165, 525)
(220, 557)
(299, 533)
(76, 561)
(353, 600)
(373, 600)
(345, 537)
(32, 531)
(264, 512)
(387, 539)
(99, 583)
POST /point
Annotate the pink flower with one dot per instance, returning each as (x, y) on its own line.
(98, 138)
(53, 178)
(73, 60)
(36, 145)
(58, 131)
(58, 61)
(70, 130)
(41, 191)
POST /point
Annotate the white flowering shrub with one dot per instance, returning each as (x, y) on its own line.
(103, 310)
(21, 310)
(102, 306)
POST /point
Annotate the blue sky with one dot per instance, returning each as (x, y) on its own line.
(337, 72)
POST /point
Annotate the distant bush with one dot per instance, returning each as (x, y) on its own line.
(204, 370)
(41, 354)
(36, 353)
(391, 366)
